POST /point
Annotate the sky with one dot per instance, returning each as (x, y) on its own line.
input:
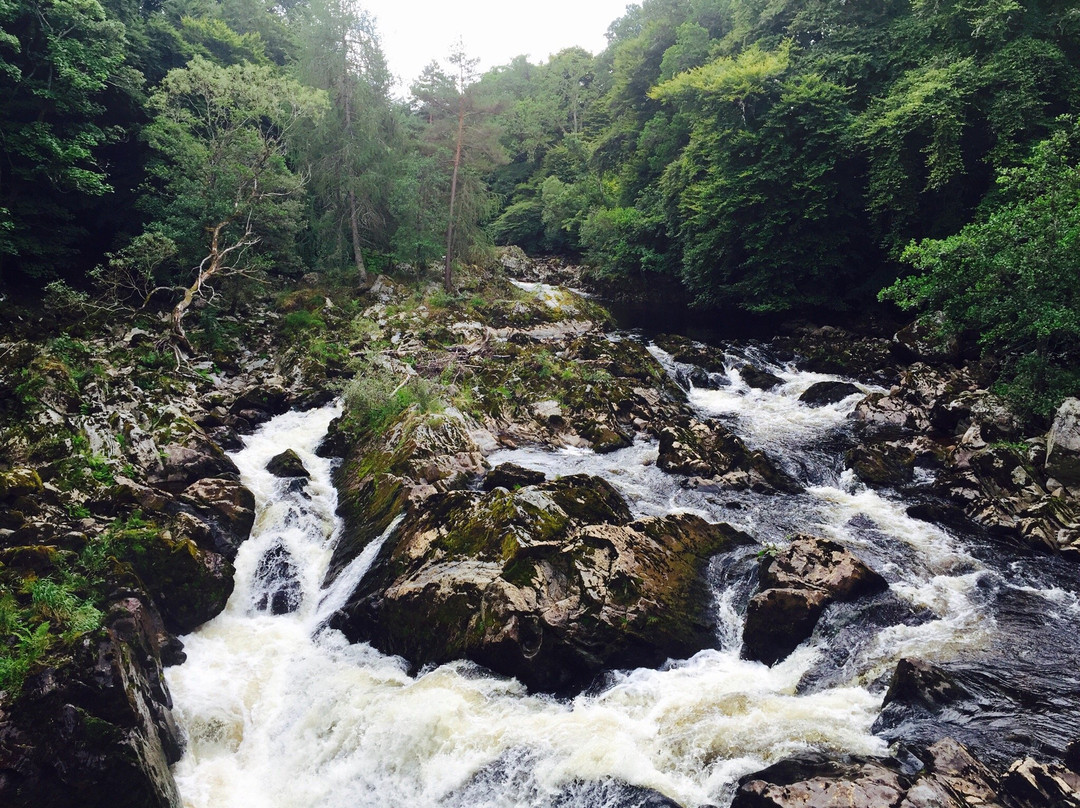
(495, 31)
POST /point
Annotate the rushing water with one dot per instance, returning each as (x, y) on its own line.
(280, 711)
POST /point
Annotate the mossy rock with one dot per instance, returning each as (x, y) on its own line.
(550, 583)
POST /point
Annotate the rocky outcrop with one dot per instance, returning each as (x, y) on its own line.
(796, 584)
(988, 475)
(1063, 444)
(943, 775)
(95, 731)
(711, 454)
(550, 583)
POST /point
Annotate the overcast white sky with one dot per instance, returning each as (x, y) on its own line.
(413, 33)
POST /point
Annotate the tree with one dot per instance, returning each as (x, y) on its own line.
(1013, 275)
(225, 186)
(57, 61)
(349, 153)
(458, 127)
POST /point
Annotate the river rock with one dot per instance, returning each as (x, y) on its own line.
(227, 508)
(191, 584)
(829, 392)
(950, 778)
(552, 584)
(1063, 444)
(1033, 784)
(712, 452)
(511, 476)
(795, 587)
(887, 463)
(759, 379)
(288, 464)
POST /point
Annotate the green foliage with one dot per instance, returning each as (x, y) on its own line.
(1013, 275)
(376, 396)
(298, 322)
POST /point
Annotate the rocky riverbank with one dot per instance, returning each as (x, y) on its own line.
(122, 515)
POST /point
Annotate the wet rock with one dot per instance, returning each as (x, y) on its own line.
(227, 508)
(950, 778)
(715, 454)
(416, 457)
(822, 393)
(288, 464)
(511, 476)
(919, 684)
(795, 587)
(759, 379)
(551, 584)
(277, 580)
(96, 731)
(191, 584)
(887, 463)
(1031, 784)
(1063, 444)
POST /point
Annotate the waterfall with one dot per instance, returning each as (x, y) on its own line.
(281, 712)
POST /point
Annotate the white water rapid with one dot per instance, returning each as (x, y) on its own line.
(280, 712)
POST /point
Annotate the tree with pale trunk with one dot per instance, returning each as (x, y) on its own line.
(224, 186)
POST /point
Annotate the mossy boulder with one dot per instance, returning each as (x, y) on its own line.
(550, 583)
(93, 728)
(287, 464)
(191, 584)
(19, 482)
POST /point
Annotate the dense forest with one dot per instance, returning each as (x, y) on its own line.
(774, 157)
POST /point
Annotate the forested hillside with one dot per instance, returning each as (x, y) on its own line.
(767, 156)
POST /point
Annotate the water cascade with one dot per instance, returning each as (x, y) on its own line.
(281, 712)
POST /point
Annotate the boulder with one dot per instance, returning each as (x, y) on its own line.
(196, 458)
(949, 778)
(823, 393)
(288, 464)
(926, 340)
(759, 379)
(711, 451)
(416, 457)
(552, 584)
(19, 482)
(794, 588)
(511, 476)
(95, 731)
(190, 584)
(227, 508)
(887, 463)
(1063, 444)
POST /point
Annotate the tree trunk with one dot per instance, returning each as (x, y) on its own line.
(358, 250)
(448, 284)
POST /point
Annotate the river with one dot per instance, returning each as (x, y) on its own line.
(281, 712)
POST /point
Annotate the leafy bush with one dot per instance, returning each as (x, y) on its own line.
(1013, 276)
